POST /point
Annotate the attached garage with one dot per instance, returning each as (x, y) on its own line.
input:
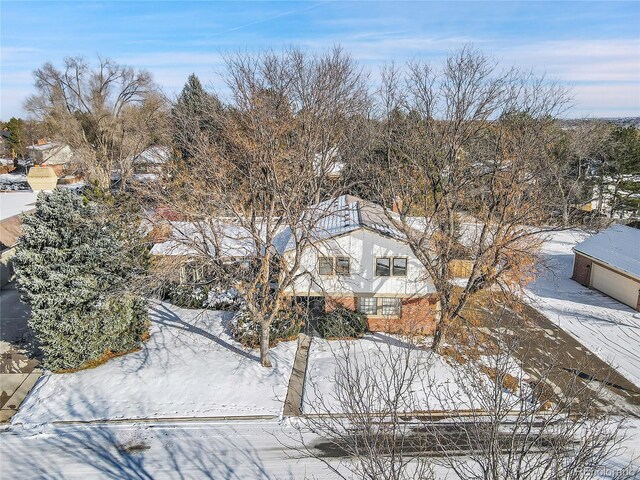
(610, 263)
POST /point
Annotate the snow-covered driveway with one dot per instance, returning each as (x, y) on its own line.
(607, 327)
(190, 367)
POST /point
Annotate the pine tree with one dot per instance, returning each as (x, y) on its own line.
(74, 267)
(194, 113)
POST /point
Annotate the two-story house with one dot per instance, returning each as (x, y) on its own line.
(359, 260)
(353, 257)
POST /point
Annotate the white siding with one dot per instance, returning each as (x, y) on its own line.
(615, 285)
(362, 247)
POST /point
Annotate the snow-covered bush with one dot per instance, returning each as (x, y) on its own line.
(223, 299)
(188, 296)
(342, 323)
(75, 264)
(285, 326)
(204, 296)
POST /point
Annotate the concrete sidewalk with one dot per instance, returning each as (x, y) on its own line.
(293, 401)
(18, 372)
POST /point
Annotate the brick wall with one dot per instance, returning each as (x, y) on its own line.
(581, 269)
(331, 303)
(417, 316)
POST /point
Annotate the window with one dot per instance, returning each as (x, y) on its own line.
(399, 267)
(334, 266)
(383, 267)
(325, 265)
(390, 306)
(388, 266)
(379, 306)
(342, 265)
(368, 305)
(191, 273)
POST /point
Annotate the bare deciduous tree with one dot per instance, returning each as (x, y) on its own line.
(516, 426)
(492, 422)
(365, 418)
(459, 157)
(108, 114)
(254, 183)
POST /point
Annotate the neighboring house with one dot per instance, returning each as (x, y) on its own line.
(617, 197)
(329, 164)
(7, 165)
(51, 154)
(13, 204)
(354, 258)
(148, 164)
(610, 262)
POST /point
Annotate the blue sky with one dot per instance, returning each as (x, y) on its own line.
(593, 47)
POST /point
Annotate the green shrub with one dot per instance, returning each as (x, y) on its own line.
(342, 323)
(75, 264)
(285, 326)
(188, 296)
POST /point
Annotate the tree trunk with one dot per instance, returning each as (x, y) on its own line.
(265, 361)
(439, 334)
(438, 338)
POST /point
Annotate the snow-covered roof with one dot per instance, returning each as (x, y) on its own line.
(347, 213)
(153, 155)
(206, 238)
(324, 220)
(14, 203)
(617, 246)
(45, 146)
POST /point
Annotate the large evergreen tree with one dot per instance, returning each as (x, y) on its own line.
(75, 266)
(195, 113)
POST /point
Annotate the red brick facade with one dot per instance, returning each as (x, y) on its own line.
(417, 315)
(331, 303)
(581, 269)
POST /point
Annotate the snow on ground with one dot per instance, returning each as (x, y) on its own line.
(605, 326)
(190, 367)
(235, 450)
(434, 388)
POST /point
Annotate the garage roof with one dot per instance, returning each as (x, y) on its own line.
(617, 246)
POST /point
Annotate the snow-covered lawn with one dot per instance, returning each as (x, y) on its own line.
(190, 367)
(434, 387)
(605, 326)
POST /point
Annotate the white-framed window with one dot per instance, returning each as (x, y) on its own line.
(391, 267)
(191, 273)
(334, 266)
(368, 305)
(325, 265)
(382, 306)
(343, 266)
(383, 266)
(399, 267)
(389, 306)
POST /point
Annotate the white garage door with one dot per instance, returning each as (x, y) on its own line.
(621, 288)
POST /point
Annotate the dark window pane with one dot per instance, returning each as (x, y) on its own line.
(399, 267)
(383, 267)
(325, 265)
(368, 305)
(342, 266)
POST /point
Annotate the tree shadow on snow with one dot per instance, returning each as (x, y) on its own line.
(133, 451)
(162, 315)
